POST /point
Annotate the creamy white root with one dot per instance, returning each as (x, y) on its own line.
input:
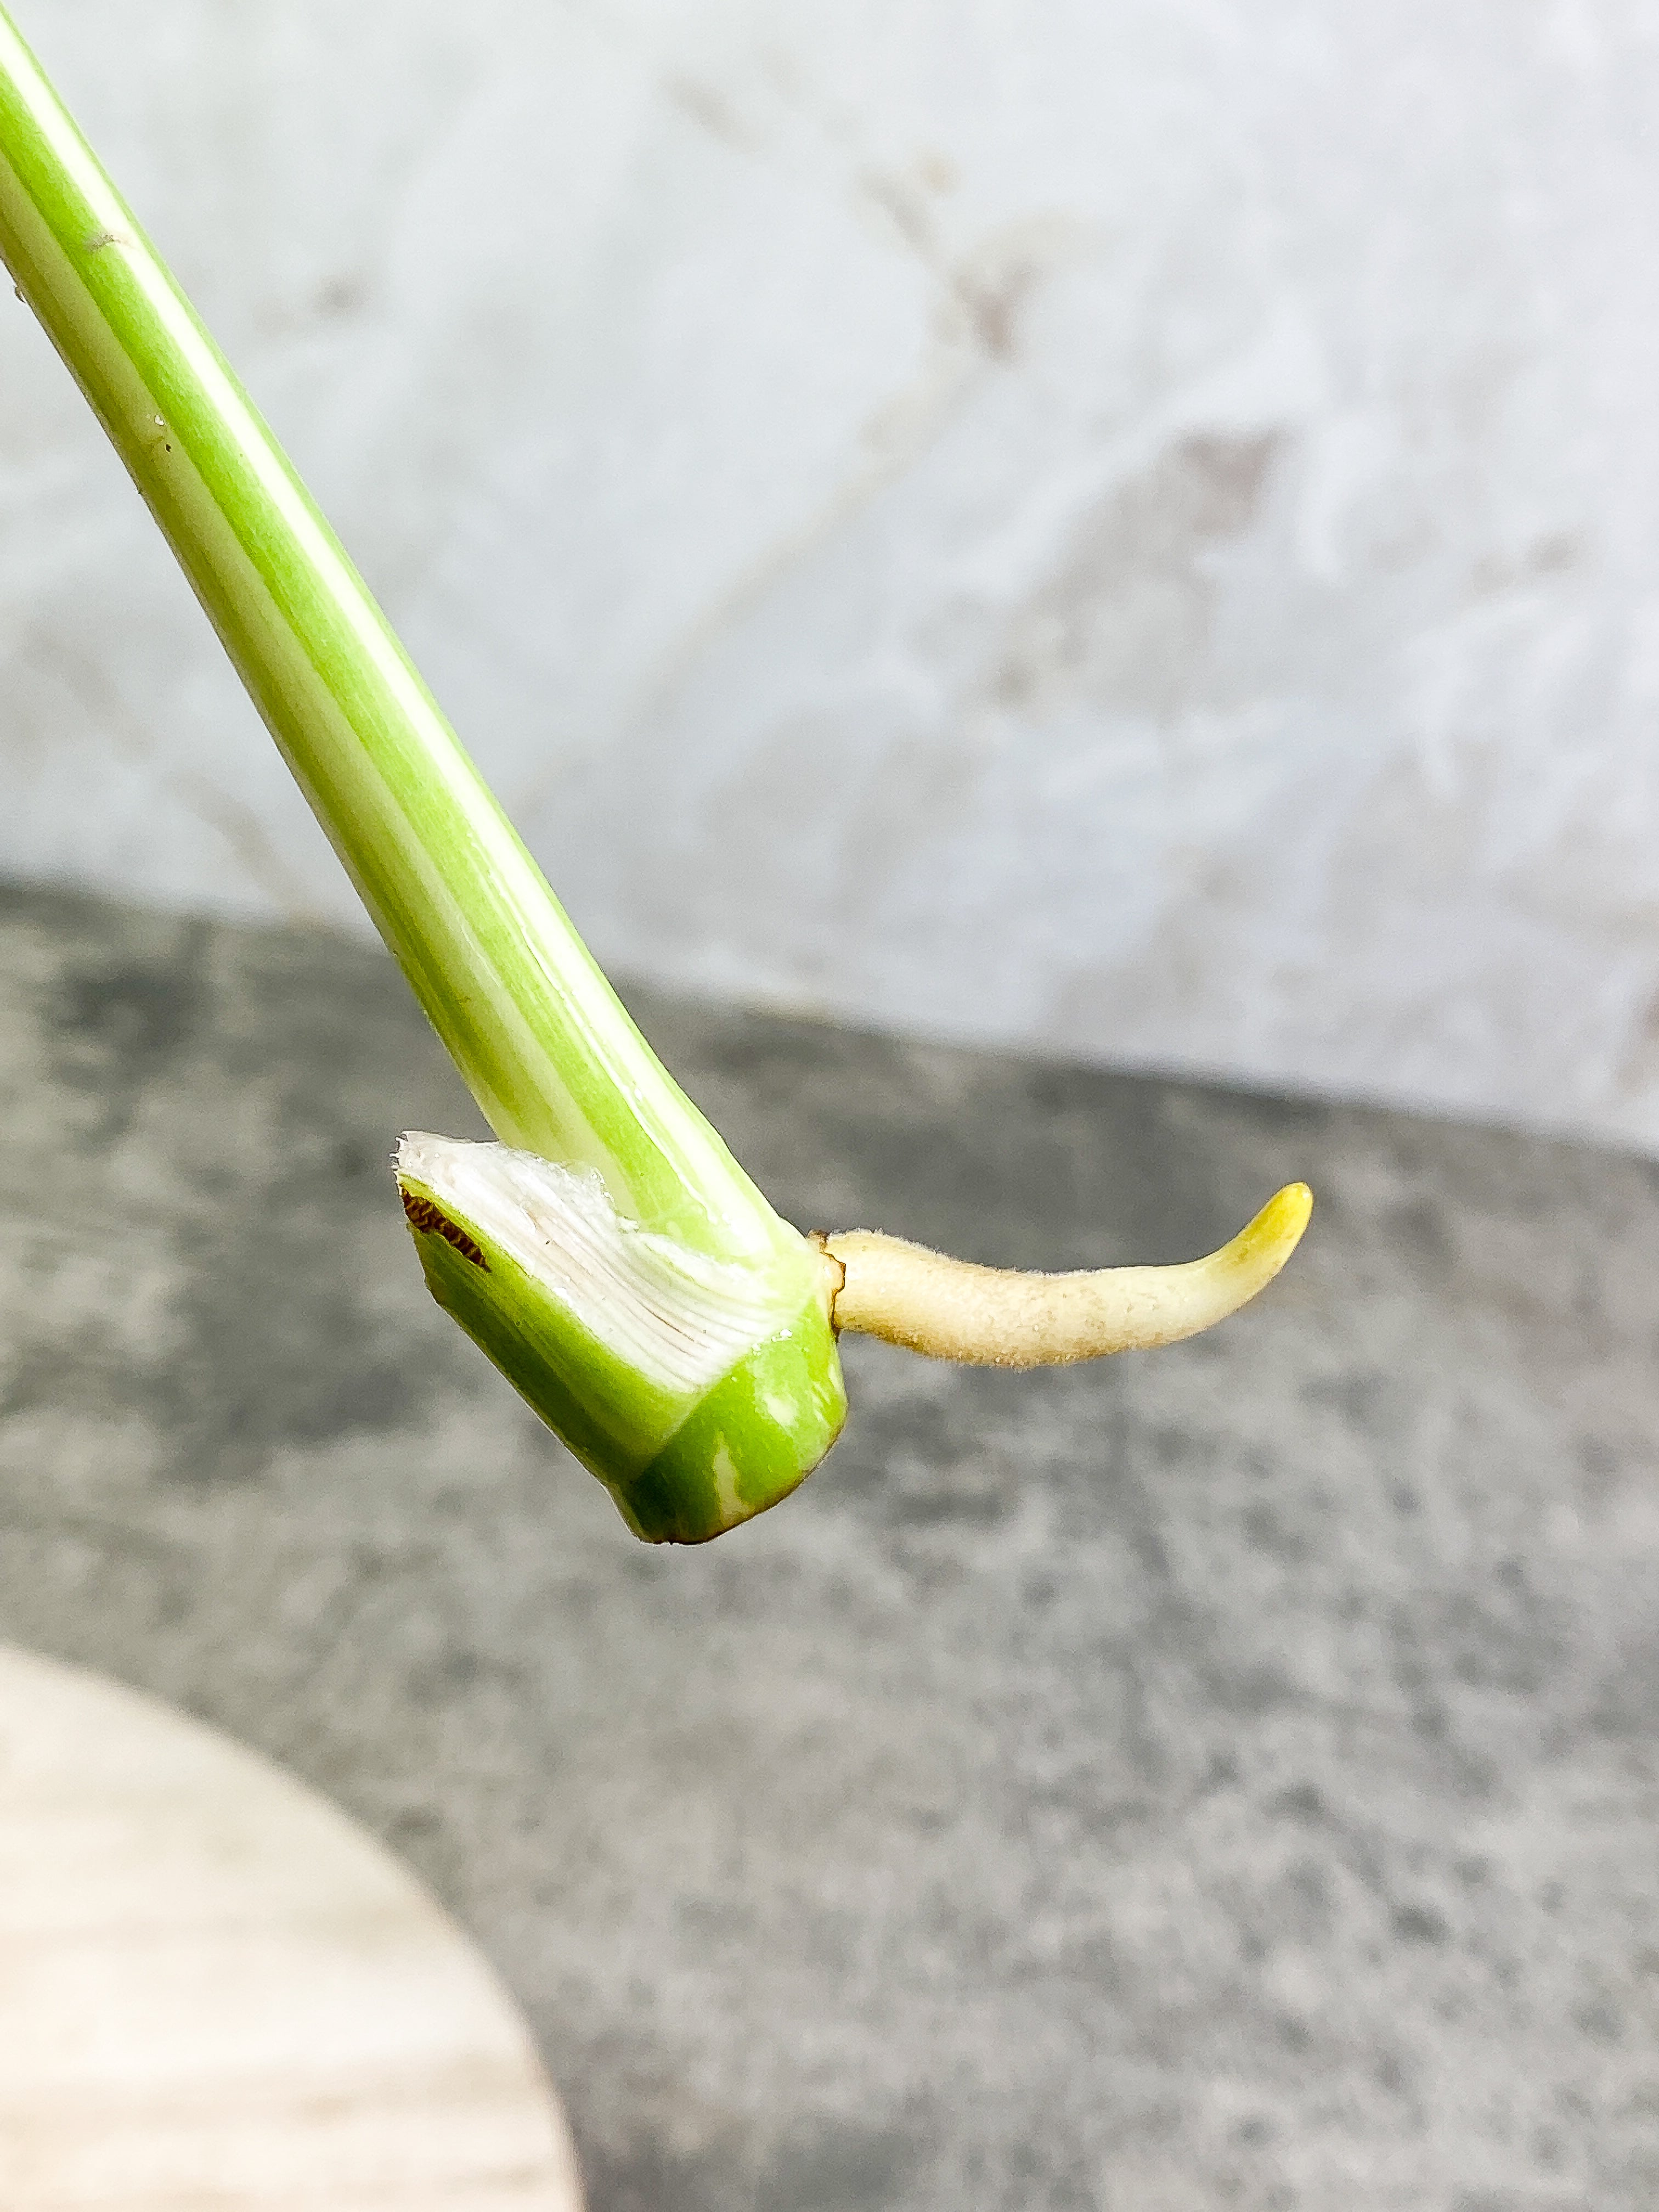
(995, 1317)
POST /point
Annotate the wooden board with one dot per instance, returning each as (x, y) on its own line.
(218, 1994)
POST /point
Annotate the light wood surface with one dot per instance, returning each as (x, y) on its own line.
(217, 1992)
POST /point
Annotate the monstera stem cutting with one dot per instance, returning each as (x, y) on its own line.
(608, 1253)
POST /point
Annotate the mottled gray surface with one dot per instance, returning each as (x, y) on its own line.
(1220, 1779)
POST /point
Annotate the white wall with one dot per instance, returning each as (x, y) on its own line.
(1129, 525)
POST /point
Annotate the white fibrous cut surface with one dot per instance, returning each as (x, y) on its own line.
(680, 1319)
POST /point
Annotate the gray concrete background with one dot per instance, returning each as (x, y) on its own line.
(1221, 1778)
(1127, 528)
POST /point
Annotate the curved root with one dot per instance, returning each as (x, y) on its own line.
(997, 1317)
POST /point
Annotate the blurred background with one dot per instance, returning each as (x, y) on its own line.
(1128, 530)
(1069, 594)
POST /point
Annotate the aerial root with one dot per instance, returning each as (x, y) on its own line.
(998, 1317)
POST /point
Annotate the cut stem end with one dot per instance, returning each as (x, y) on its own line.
(700, 1391)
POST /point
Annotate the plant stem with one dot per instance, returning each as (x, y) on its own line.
(538, 1033)
(545, 1047)
(609, 1254)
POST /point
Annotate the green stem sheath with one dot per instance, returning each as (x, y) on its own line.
(545, 1047)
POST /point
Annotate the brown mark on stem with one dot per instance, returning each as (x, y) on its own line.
(433, 1222)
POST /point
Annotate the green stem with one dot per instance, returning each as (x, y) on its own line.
(535, 1029)
(542, 1041)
